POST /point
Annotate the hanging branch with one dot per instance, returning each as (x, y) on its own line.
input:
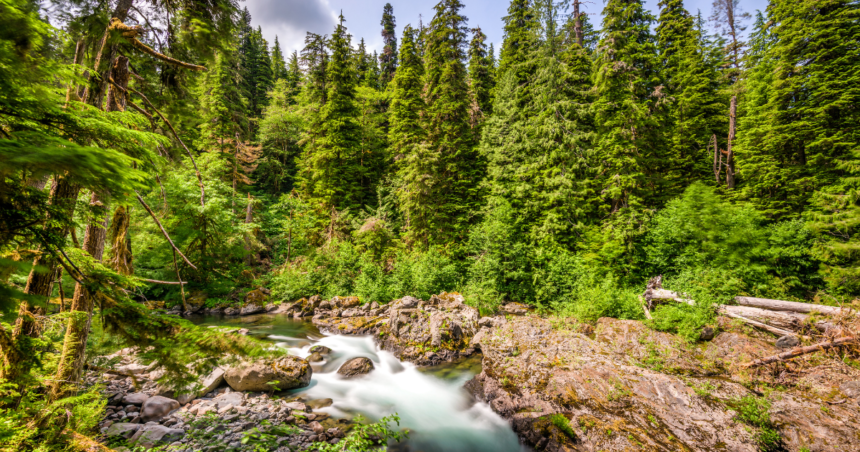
(168, 283)
(130, 33)
(163, 231)
(193, 162)
(801, 351)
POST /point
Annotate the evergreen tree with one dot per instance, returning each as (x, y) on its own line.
(315, 60)
(263, 75)
(222, 104)
(626, 79)
(388, 59)
(456, 166)
(695, 113)
(372, 75)
(521, 38)
(331, 166)
(362, 62)
(480, 72)
(804, 138)
(293, 77)
(279, 66)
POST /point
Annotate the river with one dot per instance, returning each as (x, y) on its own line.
(431, 402)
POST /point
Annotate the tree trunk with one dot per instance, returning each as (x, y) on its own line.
(81, 313)
(791, 306)
(577, 22)
(119, 74)
(730, 157)
(64, 194)
(780, 319)
(793, 353)
(248, 218)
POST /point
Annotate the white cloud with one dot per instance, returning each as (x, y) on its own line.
(290, 20)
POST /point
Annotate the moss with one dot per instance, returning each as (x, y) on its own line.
(562, 423)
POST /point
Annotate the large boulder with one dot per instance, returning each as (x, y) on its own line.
(152, 434)
(122, 429)
(252, 308)
(137, 398)
(258, 297)
(205, 385)
(156, 408)
(284, 373)
(356, 367)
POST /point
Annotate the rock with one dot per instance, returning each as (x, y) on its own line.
(156, 408)
(252, 308)
(257, 297)
(133, 369)
(345, 302)
(356, 367)
(514, 308)
(124, 430)
(320, 403)
(137, 398)
(206, 385)
(707, 334)
(296, 406)
(152, 434)
(290, 372)
(405, 303)
(316, 427)
(851, 389)
(231, 311)
(315, 358)
(321, 349)
(235, 399)
(787, 342)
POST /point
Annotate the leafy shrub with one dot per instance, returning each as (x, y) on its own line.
(755, 411)
(562, 423)
(366, 437)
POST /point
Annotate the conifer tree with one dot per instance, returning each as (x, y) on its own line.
(331, 166)
(362, 62)
(372, 75)
(480, 72)
(407, 103)
(315, 60)
(293, 77)
(521, 38)
(263, 76)
(626, 79)
(279, 66)
(695, 112)
(388, 59)
(450, 144)
(222, 104)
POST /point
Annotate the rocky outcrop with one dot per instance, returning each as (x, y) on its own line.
(356, 367)
(285, 373)
(626, 387)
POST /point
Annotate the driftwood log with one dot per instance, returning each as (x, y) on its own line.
(799, 351)
(763, 326)
(791, 306)
(781, 319)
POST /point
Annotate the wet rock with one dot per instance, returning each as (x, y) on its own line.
(315, 358)
(235, 399)
(151, 435)
(316, 427)
(321, 349)
(137, 398)
(290, 372)
(787, 342)
(707, 334)
(156, 408)
(320, 403)
(257, 297)
(123, 430)
(356, 367)
(231, 311)
(252, 308)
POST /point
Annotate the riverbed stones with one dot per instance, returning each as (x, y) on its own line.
(514, 308)
(252, 308)
(235, 399)
(122, 429)
(356, 367)
(288, 372)
(320, 403)
(153, 434)
(321, 349)
(137, 398)
(156, 408)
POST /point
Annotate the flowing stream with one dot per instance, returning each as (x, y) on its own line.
(431, 402)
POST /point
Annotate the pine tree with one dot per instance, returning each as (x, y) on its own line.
(279, 67)
(456, 166)
(222, 105)
(407, 104)
(331, 166)
(695, 113)
(626, 79)
(263, 76)
(480, 72)
(293, 77)
(315, 60)
(362, 62)
(372, 75)
(804, 138)
(388, 59)
(521, 38)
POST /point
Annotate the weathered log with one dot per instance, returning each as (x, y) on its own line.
(799, 351)
(780, 319)
(764, 326)
(791, 306)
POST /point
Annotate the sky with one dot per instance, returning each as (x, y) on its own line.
(291, 19)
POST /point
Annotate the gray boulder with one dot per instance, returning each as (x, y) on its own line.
(515, 309)
(122, 429)
(156, 408)
(152, 434)
(252, 308)
(137, 398)
(356, 367)
(289, 372)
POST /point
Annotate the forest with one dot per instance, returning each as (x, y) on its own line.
(159, 158)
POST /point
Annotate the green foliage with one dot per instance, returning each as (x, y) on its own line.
(755, 411)
(481, 72)
(562, 423)
(366, 437)
(388, 59)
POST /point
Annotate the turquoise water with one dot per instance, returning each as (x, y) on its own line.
(431, 402)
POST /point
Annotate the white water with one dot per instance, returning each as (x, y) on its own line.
(439, 413)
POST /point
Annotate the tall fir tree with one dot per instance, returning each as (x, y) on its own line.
(388, 59)
(331, 166)
(293, 77)
(222, 105)
(481, 72)
(263, 76)
(450, 144)
(279, 65)
(371, 74)
(694, 115)
(521, 38)
(626, 81)
(361, 61)
(315, 60)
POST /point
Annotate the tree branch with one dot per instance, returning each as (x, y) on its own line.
(163, 231)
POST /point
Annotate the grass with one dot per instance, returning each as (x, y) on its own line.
(755, 411)
(562, 423)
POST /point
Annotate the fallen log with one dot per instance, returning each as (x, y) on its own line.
(799, 351)
(780, 319)
(764, 326)
(792, 306)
